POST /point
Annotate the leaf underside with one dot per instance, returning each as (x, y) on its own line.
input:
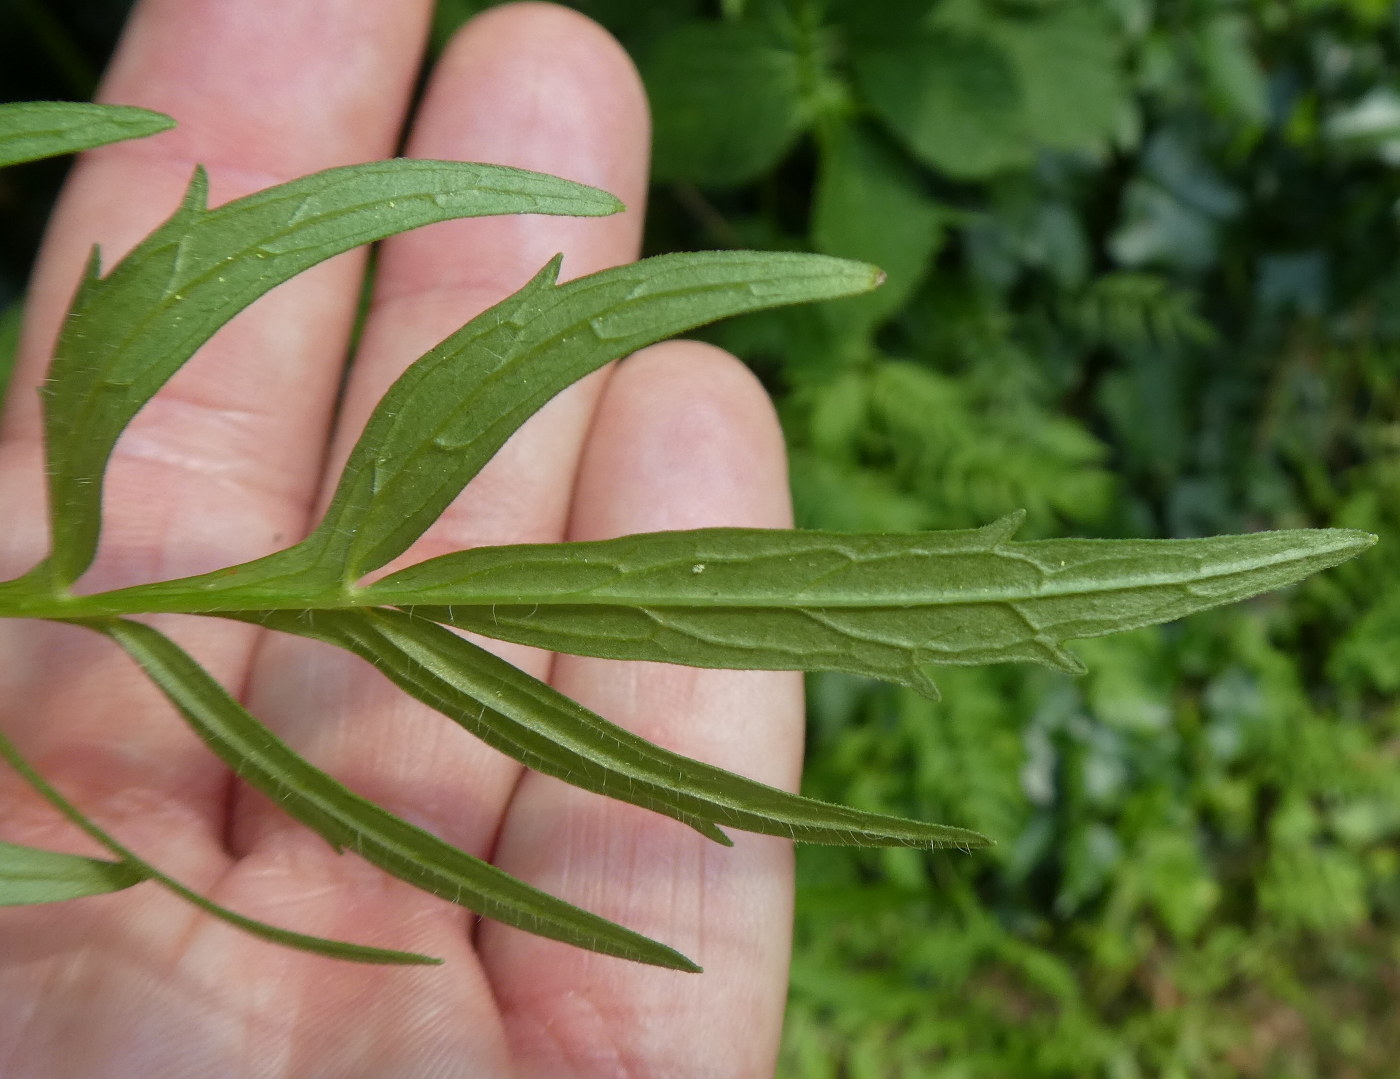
(129, 331)
(546, 731)
(345, 819)
(882, 606)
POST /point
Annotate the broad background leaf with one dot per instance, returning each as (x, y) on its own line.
(1067, 61)
(953, 96)
(726, 99)
(869, 204)
(974, 92)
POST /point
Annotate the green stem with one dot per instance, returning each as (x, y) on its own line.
(296, 578)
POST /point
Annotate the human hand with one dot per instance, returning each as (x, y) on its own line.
(229, 462)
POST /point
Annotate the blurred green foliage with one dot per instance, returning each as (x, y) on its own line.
(1144, 279)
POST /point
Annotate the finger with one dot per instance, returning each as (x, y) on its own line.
(683, 438)
(263, 92)
(529, 85)
(539, 87)
(220, 467)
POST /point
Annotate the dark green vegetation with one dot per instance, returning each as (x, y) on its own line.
(1144, 277)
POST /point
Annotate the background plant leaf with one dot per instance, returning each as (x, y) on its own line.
(1066, 59)
(129, 331)
(868, 203)
(546, 731)
(32, 875)
(32, 130)
(953, 96)
(726, 100)
(345, 819)
(975, 91)
(752, 598)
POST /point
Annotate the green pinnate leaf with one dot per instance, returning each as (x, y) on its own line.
(345, 819)
(452, 410)
(129, 331)
(873, 605)
(883, 606)
(31, 130)
(32, 875)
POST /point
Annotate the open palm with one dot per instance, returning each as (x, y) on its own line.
(230, 462)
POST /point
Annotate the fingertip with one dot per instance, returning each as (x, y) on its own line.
(685, 437)
(531, 86)
(548, 27)
(566, 73)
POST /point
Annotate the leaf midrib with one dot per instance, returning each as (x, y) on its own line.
(794, 599)
(160, 597)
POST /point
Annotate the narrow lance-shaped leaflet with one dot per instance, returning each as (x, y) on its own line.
(34, 875)
(345, 819)
(132, 869)
(546, 731)
(33, 130)
(883, 606)
(129, 331)
(451, 410)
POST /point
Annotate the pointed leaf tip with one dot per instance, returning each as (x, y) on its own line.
(33, 130)
(1353, 539)
(196, 198)
(333, 811)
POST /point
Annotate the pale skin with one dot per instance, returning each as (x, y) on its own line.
(233, 460)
